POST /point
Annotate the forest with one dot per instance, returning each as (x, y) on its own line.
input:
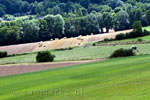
(50, 19)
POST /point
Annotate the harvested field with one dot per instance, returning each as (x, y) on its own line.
(24, 68)
(21, 48)
(58, 44)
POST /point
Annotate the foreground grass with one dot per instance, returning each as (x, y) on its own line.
(116, 79)
(77, 54)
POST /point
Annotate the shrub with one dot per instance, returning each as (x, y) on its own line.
(133, 34)
(3, 54)
(120, 36)
(145, 32)
(137, 27)
(45, 56)
(70, 48)
(140, 40)
(111, 39)
(64, 49)
(94, 44)
(127, 35)
(122, 53)
(107, 40)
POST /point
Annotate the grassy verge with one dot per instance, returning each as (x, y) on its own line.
(116, 79)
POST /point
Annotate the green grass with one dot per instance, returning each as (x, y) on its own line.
(77, 54)
(147, 28)
(116, 79)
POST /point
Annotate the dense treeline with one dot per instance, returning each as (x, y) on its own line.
(31, 30)
(77, 7)
(67, 18)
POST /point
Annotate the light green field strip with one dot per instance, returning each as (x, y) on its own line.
(77, 54)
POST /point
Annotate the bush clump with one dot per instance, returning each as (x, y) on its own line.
(145, 32)
(122, 53)
(107, 40)
(45, 56)
(94, 44)
(3, 54)
(120, 36)
(140, 40)
(137, 32)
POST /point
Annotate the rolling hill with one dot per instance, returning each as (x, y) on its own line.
(116, 79)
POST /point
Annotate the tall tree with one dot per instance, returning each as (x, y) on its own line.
(108, 21)
(30, 32)
(122, 20)
(93, 25)
(148, 16)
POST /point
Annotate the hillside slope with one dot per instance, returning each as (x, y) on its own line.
(116, 79)
(58, 44)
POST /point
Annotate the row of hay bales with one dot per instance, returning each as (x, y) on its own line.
(58, 43)
(62, 43)
(78, 41)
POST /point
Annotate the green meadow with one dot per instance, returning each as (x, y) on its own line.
(79, 53)
(115, 79)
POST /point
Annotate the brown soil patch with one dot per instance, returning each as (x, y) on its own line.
(21, 48)
(6, 70)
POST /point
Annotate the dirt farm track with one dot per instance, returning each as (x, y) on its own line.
(58, 44)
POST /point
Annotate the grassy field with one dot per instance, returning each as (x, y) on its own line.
(77, 54)
(116, 79)
(81, 53)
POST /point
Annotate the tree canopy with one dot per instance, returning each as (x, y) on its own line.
(49, 19)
